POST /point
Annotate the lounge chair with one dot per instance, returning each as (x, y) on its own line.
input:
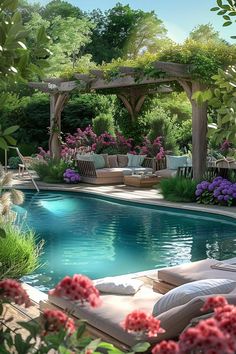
(104, 322)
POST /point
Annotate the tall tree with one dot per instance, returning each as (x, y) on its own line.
(60, 8)
(68, 38)
(148, 34)
(205, 33)
(122, 31)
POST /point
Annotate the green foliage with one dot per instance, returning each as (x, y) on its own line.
(6, 137)
(205, 33)
(178, 189)
(68, 37)
(226, 9)
(104, 122)
(122, 31)
(81, 110)
(60, 8)
(51, 171)
(19, 252)
(14, 162)
(224, 104)
(15, 59)
(130, 129)
(160, 125)
(205, 58)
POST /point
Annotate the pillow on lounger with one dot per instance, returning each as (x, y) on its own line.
(118, 285)
(184, 293)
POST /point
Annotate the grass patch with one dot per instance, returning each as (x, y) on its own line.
(178, 189)
(19, 251)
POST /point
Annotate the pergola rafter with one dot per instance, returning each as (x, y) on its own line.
(131, 87)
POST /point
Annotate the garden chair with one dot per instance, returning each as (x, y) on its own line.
(27, 162)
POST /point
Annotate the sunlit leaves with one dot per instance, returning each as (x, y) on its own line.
(226, 9)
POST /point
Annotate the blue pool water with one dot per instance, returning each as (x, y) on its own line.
(98, 237)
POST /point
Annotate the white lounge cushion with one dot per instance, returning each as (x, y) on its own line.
(184, 293)
(118, 285)
(112, 312)
(193, 271)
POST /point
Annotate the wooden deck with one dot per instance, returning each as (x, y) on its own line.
(20, 313)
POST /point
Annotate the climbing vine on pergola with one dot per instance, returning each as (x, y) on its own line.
(131, 89)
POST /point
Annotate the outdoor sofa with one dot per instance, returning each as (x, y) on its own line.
(105, 321)
(114, 168)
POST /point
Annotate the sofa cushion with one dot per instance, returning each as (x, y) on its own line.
(98, 160)
(122, 160)
(84, 157)
(105, 156)
(173, 162)
(113, 162)
(184, 293)
(109, 172)
(166, 173)
(135, 160)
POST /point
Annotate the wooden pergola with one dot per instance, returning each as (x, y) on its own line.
(132, 91)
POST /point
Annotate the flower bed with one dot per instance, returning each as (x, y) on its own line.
(220, 191)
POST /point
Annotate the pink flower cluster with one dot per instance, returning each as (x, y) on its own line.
(166, 347)
(118, 143)
(215, 335)
(140, 322)
(43, 154)
(153, 149)
(77, 288)
(11, 290)
(55, 320)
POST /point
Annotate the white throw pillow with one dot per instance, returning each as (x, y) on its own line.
(118, 285)
(173, 162)
(135, 160)
(184, 293)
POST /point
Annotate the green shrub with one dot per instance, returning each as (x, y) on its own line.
(14, 162)
(104, 123)
(178, 189)
(52, 171)
(160, 125)
(19, 252)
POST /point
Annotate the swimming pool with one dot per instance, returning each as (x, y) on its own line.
(101, 237)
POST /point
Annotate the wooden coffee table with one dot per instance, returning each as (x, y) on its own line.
(140, 181)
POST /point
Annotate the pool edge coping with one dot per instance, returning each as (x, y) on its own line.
(160, 202)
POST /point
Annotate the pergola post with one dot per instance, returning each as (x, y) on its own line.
(199, 133)
(57, 102)
(199, 127)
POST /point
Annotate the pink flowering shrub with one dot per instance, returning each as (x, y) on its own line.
(140, 322)
(215, 335)
(107, 143)
(12, 291)
(55, 320)
(77, 288)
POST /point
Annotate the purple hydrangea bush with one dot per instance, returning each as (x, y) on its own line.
(71, 176)
(220, 191)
